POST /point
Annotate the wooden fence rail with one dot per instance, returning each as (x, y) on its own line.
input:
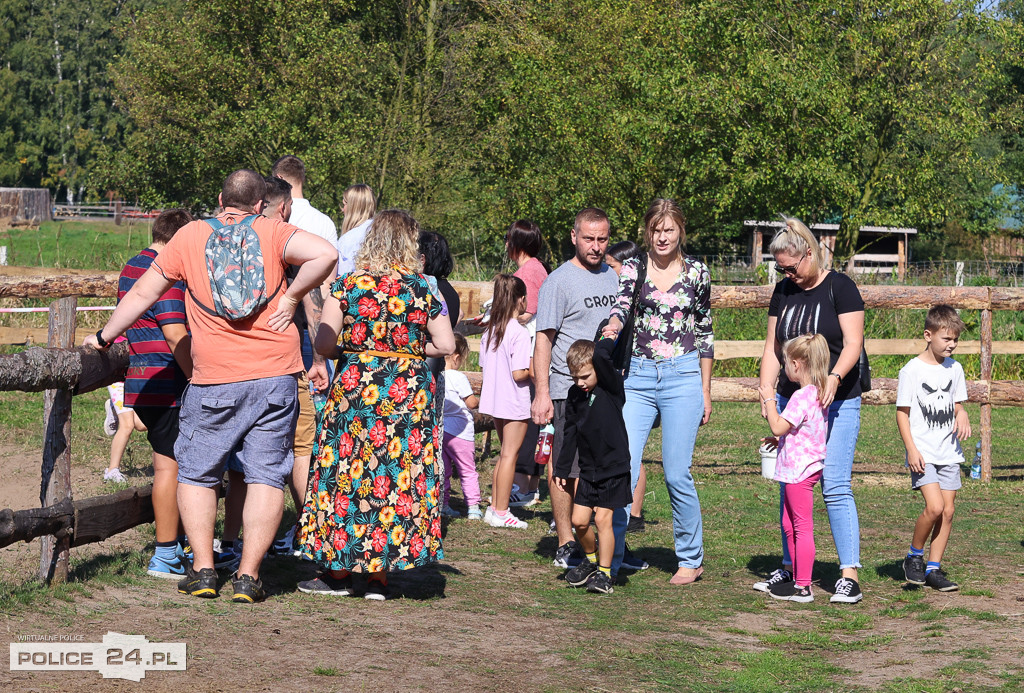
(63, 371)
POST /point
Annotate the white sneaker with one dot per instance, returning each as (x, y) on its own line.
(474, 513)
(524, 499)
(509, 521)
(114, 475)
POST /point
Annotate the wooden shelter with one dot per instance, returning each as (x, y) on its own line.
(26, 204)
(886, 247)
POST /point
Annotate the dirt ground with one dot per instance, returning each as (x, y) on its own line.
(441, 635)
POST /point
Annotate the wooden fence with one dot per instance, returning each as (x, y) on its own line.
(62, 371)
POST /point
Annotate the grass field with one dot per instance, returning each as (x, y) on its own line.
(717, 635)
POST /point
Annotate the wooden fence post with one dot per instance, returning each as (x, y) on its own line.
(986, 376)
(56, 473)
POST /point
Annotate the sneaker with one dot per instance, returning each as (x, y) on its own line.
(847, 592)
(631, 562)
(568, 555)
(636, 524)
(447, 511)
(170, 569)
(474, 513)
(110, 423)
(913, 569)
(325, 584)
(578, 576)
(248, 590)
(285, 546)
(788, 591)
(513, 492)
(509, 520)
(599, 582)
(937, 580)
(114, 475)
(778, 575)
(524, 499)
(221, 559)
(202, 583)
(376, 591)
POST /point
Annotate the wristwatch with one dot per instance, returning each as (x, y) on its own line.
(99, 338)
(838, 377)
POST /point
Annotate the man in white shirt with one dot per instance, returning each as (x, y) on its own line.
(290, 169)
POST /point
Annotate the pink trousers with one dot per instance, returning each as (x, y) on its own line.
(461, 453)
(798, 525)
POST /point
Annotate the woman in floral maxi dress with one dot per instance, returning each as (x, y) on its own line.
(372, 502)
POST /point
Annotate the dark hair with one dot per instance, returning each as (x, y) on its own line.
(243, 189)
(589, 215)
(437, 258)
(290, 167)
(508, 289)
(278, 190)
(944, 316)
(624, 250)
(168, 223)
(461, 352)
(523, 237)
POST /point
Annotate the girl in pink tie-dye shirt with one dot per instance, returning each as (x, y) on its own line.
(802, 429)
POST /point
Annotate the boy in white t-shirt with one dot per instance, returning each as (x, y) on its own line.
(459, 447)
(932, 422)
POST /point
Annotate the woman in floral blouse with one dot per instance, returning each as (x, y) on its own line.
(372, 502)
(670, 369)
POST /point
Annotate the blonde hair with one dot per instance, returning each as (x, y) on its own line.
(812, 351)
(943, 316)
(393, 239)
(360, 206)
(660, 210)
(797, 239)
(461, 352)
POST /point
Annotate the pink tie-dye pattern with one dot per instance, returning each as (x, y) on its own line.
(802, 450)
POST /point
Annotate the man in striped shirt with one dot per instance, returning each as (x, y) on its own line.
(159, 365)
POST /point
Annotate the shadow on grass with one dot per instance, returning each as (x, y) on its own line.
(282, 576)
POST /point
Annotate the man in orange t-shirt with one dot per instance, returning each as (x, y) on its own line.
(242, 396)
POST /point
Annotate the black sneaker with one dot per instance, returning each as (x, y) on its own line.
(578, 576)
(599, 582)
(778, 575)
(202, 583)
(913, 569)
(636, 524)
(788, 591)
(376, 591)
(568, 555)
(937, 580)
(248, 590)
(325, 584)
(847, 592)
(631, 562)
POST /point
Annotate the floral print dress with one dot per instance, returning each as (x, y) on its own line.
(372, 499)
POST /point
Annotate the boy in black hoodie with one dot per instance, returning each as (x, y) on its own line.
(594, 426)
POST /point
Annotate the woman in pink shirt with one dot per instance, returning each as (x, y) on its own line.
(523, 244)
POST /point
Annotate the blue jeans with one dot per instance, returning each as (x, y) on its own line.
(671, 387)
(836, 488)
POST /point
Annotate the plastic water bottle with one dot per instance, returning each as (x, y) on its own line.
(319, 398)
(976, 467)
(544, 442)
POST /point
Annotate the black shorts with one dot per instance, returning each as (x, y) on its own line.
(614, 492)
(162, 428)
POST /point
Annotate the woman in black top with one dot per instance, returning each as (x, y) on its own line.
(812, 299)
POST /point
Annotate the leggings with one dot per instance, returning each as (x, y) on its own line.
(798, 525)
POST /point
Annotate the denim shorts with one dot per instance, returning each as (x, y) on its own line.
(255, 419)
(947, 476)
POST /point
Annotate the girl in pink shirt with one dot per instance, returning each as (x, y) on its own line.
(802, 430)
(505, 359)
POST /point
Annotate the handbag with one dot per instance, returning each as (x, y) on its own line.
(862, 362)
(622, 352)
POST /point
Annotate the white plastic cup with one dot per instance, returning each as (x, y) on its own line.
(768, 456)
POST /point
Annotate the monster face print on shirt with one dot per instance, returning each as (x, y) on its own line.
(936, 404)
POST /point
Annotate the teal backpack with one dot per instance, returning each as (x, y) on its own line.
(234, 265)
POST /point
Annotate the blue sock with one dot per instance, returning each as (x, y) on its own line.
(915, 552)
(166, 549)
(932, 565)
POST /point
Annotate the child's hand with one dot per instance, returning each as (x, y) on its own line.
(559, 482)
(770, 442)
(915, 461)
(963, 425)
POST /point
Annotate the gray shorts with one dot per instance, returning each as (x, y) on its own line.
(255, 419)
(947, 476)
(556, 445)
